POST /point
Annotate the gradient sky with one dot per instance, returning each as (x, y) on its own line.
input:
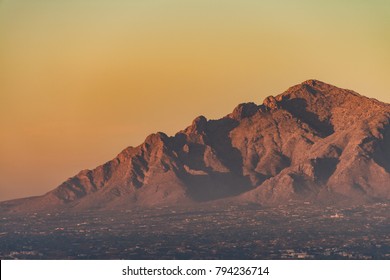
(81, 80)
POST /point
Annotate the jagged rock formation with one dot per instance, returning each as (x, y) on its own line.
(314, 141)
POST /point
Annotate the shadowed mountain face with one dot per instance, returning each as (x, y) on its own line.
(313, 142)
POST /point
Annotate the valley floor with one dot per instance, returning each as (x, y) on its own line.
(299, 231)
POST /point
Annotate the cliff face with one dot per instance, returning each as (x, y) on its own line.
(314, 141)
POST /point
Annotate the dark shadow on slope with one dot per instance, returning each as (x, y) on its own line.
(324, 168)
(219, 139)
(300, 184)
(381, 154)
(359, 189)
(298, 108)
(212, 184)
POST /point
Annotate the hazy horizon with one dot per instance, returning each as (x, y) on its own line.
(80, 81)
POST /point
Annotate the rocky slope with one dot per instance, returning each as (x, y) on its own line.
(314, 142)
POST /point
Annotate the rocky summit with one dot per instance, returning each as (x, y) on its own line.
(314, 142)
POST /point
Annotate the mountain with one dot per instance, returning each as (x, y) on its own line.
(313, 142)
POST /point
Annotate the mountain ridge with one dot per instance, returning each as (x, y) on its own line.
(314, 141)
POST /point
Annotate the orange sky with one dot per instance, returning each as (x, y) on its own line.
(82, 80)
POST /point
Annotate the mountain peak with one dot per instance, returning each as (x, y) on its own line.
(156, 138)
(271, 103)
(315, 141)
(244, 110)
(314, 87)
(313, 83)
(198, 125)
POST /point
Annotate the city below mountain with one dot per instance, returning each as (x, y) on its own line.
(314, 143)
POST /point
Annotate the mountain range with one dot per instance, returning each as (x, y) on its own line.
(313, 142)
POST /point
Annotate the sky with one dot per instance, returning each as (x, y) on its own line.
(82, 80)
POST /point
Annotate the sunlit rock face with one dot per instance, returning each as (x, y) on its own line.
(314, 142)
